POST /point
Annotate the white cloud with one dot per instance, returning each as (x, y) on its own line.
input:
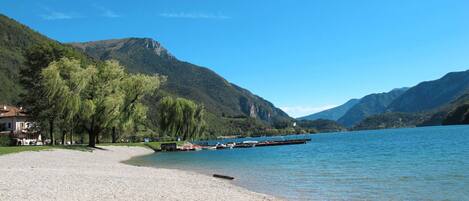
(57, 15)
(300, 111)
(106, 12)
(110, 14)
(194, 15)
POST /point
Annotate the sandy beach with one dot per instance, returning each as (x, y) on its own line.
(99, 175)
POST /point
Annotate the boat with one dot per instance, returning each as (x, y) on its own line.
(220, 146)
(230, 145)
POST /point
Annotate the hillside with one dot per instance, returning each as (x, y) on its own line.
(231, 109)
(432, 94)
(15, 39)
(333, 113)
(448, 114)
(391, 120)
(321, 125)
(369, 105)
(224, 100)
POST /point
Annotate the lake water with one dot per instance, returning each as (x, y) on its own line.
(429, 163)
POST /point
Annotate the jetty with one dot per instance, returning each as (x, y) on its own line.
(251, 144)
(172, 147)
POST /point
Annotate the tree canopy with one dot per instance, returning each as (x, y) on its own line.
(181, 118)
(100, 97)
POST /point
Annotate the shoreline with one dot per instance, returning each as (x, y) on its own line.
(102, 175)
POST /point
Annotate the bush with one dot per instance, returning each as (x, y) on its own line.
(6, 140)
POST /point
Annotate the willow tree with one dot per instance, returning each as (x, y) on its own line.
(102, 97)
(113, 98)
(40, 108)
(63, 81)
(132, 110)
(181, 118)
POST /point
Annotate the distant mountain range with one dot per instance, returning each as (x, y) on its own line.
(432, 94)
(369, 105)
(427, 103)
(334, 113)
(230, 108)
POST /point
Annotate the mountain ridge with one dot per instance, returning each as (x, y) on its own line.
(222, 98)
(333, 113)
(369, 105)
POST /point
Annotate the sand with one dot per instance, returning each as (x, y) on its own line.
(99, 175)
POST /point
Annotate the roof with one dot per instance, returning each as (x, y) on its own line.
(11, 111)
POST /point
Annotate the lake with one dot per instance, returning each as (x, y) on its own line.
(429, 163)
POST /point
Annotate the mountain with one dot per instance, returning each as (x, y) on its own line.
(15, 39)
(230, 108)
(321, 125)
(333, 113)
(370, 105)
(221, 98)
(430, 103)
(391, 120)
(447, 114)
(432, 94)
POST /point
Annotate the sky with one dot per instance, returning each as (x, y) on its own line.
(303, 56)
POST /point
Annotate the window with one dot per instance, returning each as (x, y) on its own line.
(9, 125)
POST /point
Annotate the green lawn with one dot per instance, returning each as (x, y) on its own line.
(17, 149)
(9, 150)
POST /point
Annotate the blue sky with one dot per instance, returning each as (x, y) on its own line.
(301, 55)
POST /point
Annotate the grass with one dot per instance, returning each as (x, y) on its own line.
(17, 149)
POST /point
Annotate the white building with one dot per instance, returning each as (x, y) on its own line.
(14, 122)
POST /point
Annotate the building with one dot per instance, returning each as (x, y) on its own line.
(14, 122)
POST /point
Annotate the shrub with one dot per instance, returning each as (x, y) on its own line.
(6, 140)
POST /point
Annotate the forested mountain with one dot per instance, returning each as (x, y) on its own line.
(333, 113)
(425, 104)
(321, 125)
(15, 39)
(432, 94)
(220, 97)
(369, 105)
(447, 114)
(231, 109)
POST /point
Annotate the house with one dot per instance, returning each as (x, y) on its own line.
(14, 122)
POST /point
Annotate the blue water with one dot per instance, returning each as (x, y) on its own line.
(429, 163)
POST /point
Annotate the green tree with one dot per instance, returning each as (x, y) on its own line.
(181, 118)
(63, 81)
(113, 98)
(39, 57)
(100, 97)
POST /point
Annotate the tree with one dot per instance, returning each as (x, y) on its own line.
(39, 57)
(133, 111)
(181, 118)
(63, 82)
(99, 97)
(113, 98)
